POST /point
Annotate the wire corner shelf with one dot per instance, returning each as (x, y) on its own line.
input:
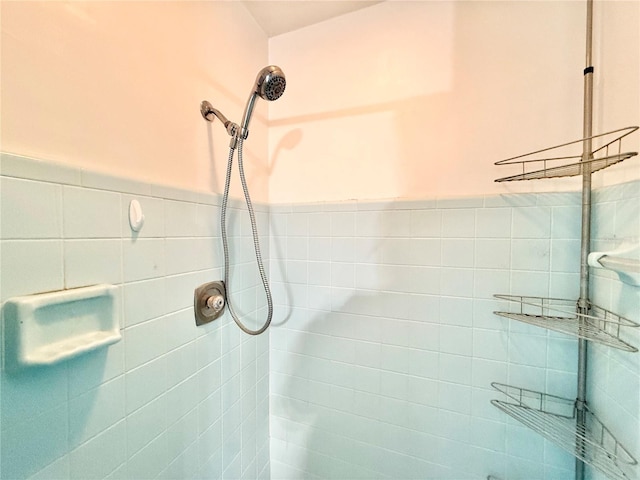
(533, 168)
(560, 315)
(555, 418)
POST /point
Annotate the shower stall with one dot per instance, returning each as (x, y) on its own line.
(383, 234)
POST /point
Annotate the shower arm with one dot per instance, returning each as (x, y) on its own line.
(208, 112)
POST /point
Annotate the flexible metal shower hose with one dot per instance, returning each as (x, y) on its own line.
(256, 243)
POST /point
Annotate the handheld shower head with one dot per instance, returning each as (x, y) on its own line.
(269, 85)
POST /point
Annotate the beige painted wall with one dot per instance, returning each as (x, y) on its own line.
(116, 87)
(418, 99)
(617, 87)
(401, 99)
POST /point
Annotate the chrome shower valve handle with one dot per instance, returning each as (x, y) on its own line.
(215, 302)
(209, 302)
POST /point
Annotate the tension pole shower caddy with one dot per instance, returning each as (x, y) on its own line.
(570, 423)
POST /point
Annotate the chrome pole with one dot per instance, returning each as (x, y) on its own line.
(583, 306)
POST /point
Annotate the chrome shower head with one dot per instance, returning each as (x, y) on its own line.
(269, 85)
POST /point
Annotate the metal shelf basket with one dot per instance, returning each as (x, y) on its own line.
(570, 166)
(555, 419)
(601, 325)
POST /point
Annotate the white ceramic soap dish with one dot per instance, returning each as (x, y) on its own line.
(48, 328)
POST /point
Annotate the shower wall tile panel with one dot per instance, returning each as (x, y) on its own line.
(391, 379)
(170, 400)
(382, 351)
(614, 376)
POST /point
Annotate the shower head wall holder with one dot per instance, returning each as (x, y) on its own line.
(209, 114)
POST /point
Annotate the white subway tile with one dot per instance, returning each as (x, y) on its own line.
(181, 363)
(143, 258)
(182, 465)
(208, 221)
(492, 253)
(531, 283)
(493, 222)
(31, 266)
(145, 383)
(396, 223)
(369, 224)
(487, 283)
(456, 311)
(456, 282)
(424, 336)
(181, 219)
(458, 252)
(30, 209)
(458, 223)
(566, 222)
(180, 290)
(455, 369)
(319, 248)
(96, 411)
(455, 398)
(627, 219)
(525, 376)
(183, 255)
(109, 362)
(393, 384)
(90, 262)
(319, 224)
(453, 424)
(524, 443)
(490, 344)
(343, 224)
(343, 249)
(143, 301)
(57, 469)
(209, 379)
(426, 223)
(394, 358)
(297, 224)
(530, 254)
(343, 275)
(532, 222)
(101, 455)
(484, 372)
(562, 384)
(424, 363)
(145, 341)
(91, 213)
(36, 442)
(297, 248)
(296, 271)
(150, 461)
(422, 390)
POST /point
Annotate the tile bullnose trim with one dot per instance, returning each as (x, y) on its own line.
(28, 168)
(19, 166)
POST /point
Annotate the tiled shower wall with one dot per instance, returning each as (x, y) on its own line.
(171, 400)
(382, 364)
(614, 375)
(383, 348)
